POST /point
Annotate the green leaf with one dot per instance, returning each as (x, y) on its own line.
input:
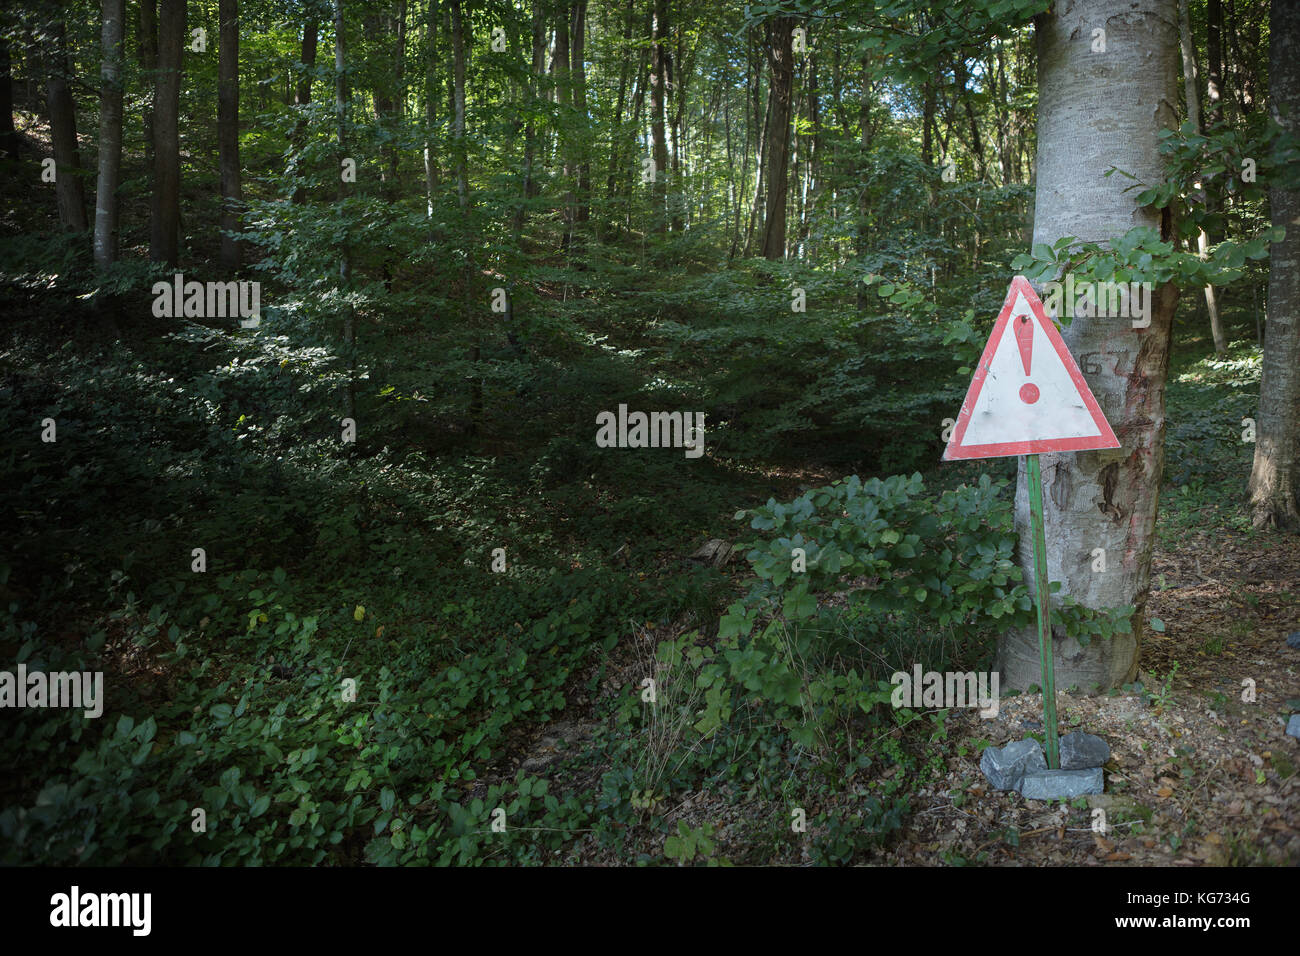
(1157, 625)
(142, 753)
(800, 604)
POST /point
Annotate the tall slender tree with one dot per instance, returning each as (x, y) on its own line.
(1192, 95)
(165, 218)
(1274, 478)
(431, 103)
(624, 64)
(780, 56)
(345, 252)
(110, 132)
(533, 93)
(147, 55)
(578, 75)
(456, 24)
(232, 191)
(1213, 95)
(68, 188)
(458, 53)
(658, 91)
(760, 167)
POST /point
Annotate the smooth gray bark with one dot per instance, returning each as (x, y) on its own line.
(110, 133)
(1098, 110)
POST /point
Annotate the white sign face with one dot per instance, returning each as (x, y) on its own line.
(1027, 395)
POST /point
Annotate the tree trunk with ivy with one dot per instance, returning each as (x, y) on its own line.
(1095, 112)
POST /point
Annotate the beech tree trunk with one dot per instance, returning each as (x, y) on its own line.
(345, 253)
(780, 57)
(561, 67)
(760, 168)
(578, 75)
(658, 141)
(430, 106)
(110, 133)
(147, 50)
(165, 218)
(862, 229)
(1095, 111)
(1273, 478)
(68, 189)
(459, 65)
(232, 193)
(533, 92)
(458, 104)
(1192, 93)
(310, 39)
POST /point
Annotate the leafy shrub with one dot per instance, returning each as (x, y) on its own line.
(940, 561)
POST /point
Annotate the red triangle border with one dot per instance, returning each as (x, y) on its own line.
(958, 452)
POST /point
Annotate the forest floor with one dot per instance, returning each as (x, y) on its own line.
(1201, 770)
(1197, 775)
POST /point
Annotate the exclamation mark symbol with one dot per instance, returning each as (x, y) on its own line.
(1025, 340)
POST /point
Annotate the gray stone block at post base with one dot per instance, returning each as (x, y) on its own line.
(1060, 784)
(1004, 766)
(1083, 751)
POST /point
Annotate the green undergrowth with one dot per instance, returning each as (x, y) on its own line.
(328, 569)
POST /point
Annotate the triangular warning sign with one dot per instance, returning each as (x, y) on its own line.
(1028, 395)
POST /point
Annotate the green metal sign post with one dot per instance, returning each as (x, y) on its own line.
(1043, 599)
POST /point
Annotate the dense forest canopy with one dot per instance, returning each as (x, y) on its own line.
(381, 380)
